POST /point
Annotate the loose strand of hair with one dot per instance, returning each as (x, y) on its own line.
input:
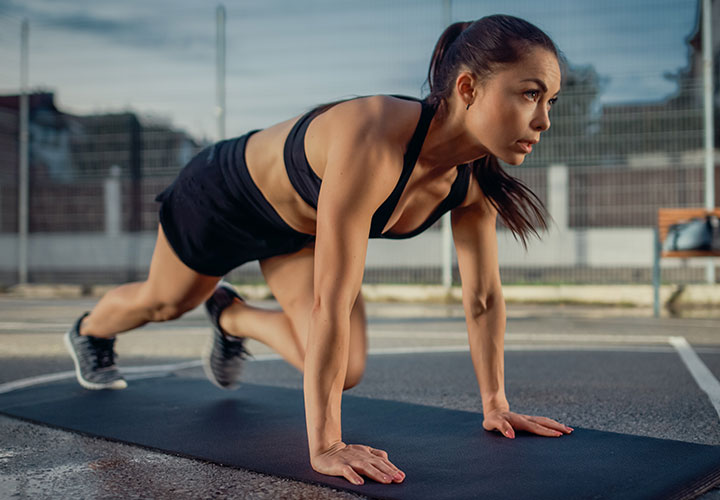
(519, 208)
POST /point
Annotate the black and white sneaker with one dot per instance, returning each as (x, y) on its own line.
(94, 360)
(224, 357)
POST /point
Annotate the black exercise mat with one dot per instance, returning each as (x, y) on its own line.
(444, 453)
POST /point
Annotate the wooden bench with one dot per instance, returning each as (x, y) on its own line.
(666, 218)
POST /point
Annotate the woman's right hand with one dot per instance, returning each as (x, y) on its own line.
(352, 460)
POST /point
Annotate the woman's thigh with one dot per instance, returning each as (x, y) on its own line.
(172, 287)
(290, 278)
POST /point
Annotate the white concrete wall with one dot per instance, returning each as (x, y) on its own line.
(624, 247)
(619, 247)
(79, 251)
(114, 250)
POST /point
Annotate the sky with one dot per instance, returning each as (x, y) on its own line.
(157, 57)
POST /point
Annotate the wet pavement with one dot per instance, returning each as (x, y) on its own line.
(599, 368)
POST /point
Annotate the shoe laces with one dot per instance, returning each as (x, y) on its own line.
(232, 348)
(104, 355)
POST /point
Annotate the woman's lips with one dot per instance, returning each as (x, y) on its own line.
(526, 146)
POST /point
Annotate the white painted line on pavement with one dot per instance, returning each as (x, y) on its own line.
(703, 376)
(29, 382)
(588, 338)
(162, 368)
(418, 350)
(167, 368)
(54, 377)
(594, 348)
(31, 325)
(524, 347)
(528, 337)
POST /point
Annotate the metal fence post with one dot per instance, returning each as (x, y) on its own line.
(446, 264)
(446, 252)
(24, 153)
(220, 70)
(707, 56)
(656, 272)
(136, 172)
(113, 202)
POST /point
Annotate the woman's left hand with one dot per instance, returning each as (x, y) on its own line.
(508, 422)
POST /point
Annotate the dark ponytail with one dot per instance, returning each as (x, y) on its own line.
(519, 208)
(437, 72)
(481, 46)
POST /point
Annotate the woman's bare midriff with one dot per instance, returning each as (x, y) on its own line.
(264, 158)
(425, 190)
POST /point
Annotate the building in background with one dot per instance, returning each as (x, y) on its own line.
(70, 158)
(668, 133)
(603, 170)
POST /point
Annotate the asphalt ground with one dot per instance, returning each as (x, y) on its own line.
(608, 369)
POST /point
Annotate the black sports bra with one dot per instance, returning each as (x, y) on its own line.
(307, 183)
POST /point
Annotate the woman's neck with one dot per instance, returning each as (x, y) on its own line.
(447, 144)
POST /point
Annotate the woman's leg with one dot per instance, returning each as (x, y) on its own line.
(290, 278)
(170, 290)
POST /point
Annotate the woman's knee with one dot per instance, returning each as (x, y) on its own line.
(352, 379)
(160, 309)
(358, 345)
(355, 371)
(166, 311)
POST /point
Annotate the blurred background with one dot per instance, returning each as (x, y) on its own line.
(122, 94)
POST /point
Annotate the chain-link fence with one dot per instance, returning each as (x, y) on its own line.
(603, 170)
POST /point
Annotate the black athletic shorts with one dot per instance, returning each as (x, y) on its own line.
(215, 218)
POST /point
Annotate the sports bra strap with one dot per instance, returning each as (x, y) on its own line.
(458, 192)
(384, 212)
(303, 178)
(307, 183)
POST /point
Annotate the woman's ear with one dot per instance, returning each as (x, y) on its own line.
(465, 84)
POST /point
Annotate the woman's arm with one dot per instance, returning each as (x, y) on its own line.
(476, 244)
(483, 302)
(359, 175)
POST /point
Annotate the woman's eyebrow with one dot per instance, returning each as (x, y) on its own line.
(538, 81)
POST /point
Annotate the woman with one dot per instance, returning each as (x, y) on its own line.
(303, 196)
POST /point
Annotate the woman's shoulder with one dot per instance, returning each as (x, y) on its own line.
(384, 117)
(378, 110)
(372, 130)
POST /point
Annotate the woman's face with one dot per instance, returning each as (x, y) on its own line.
(511, 108)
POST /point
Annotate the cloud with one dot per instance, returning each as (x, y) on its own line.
(129, 24)
(285, 55)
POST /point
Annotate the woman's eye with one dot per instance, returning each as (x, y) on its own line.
(552, 102)
(533, 94)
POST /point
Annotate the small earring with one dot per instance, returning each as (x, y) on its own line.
(468, 107)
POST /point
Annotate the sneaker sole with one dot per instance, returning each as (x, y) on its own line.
(207, 355)
(207, 367)
(92, 386)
